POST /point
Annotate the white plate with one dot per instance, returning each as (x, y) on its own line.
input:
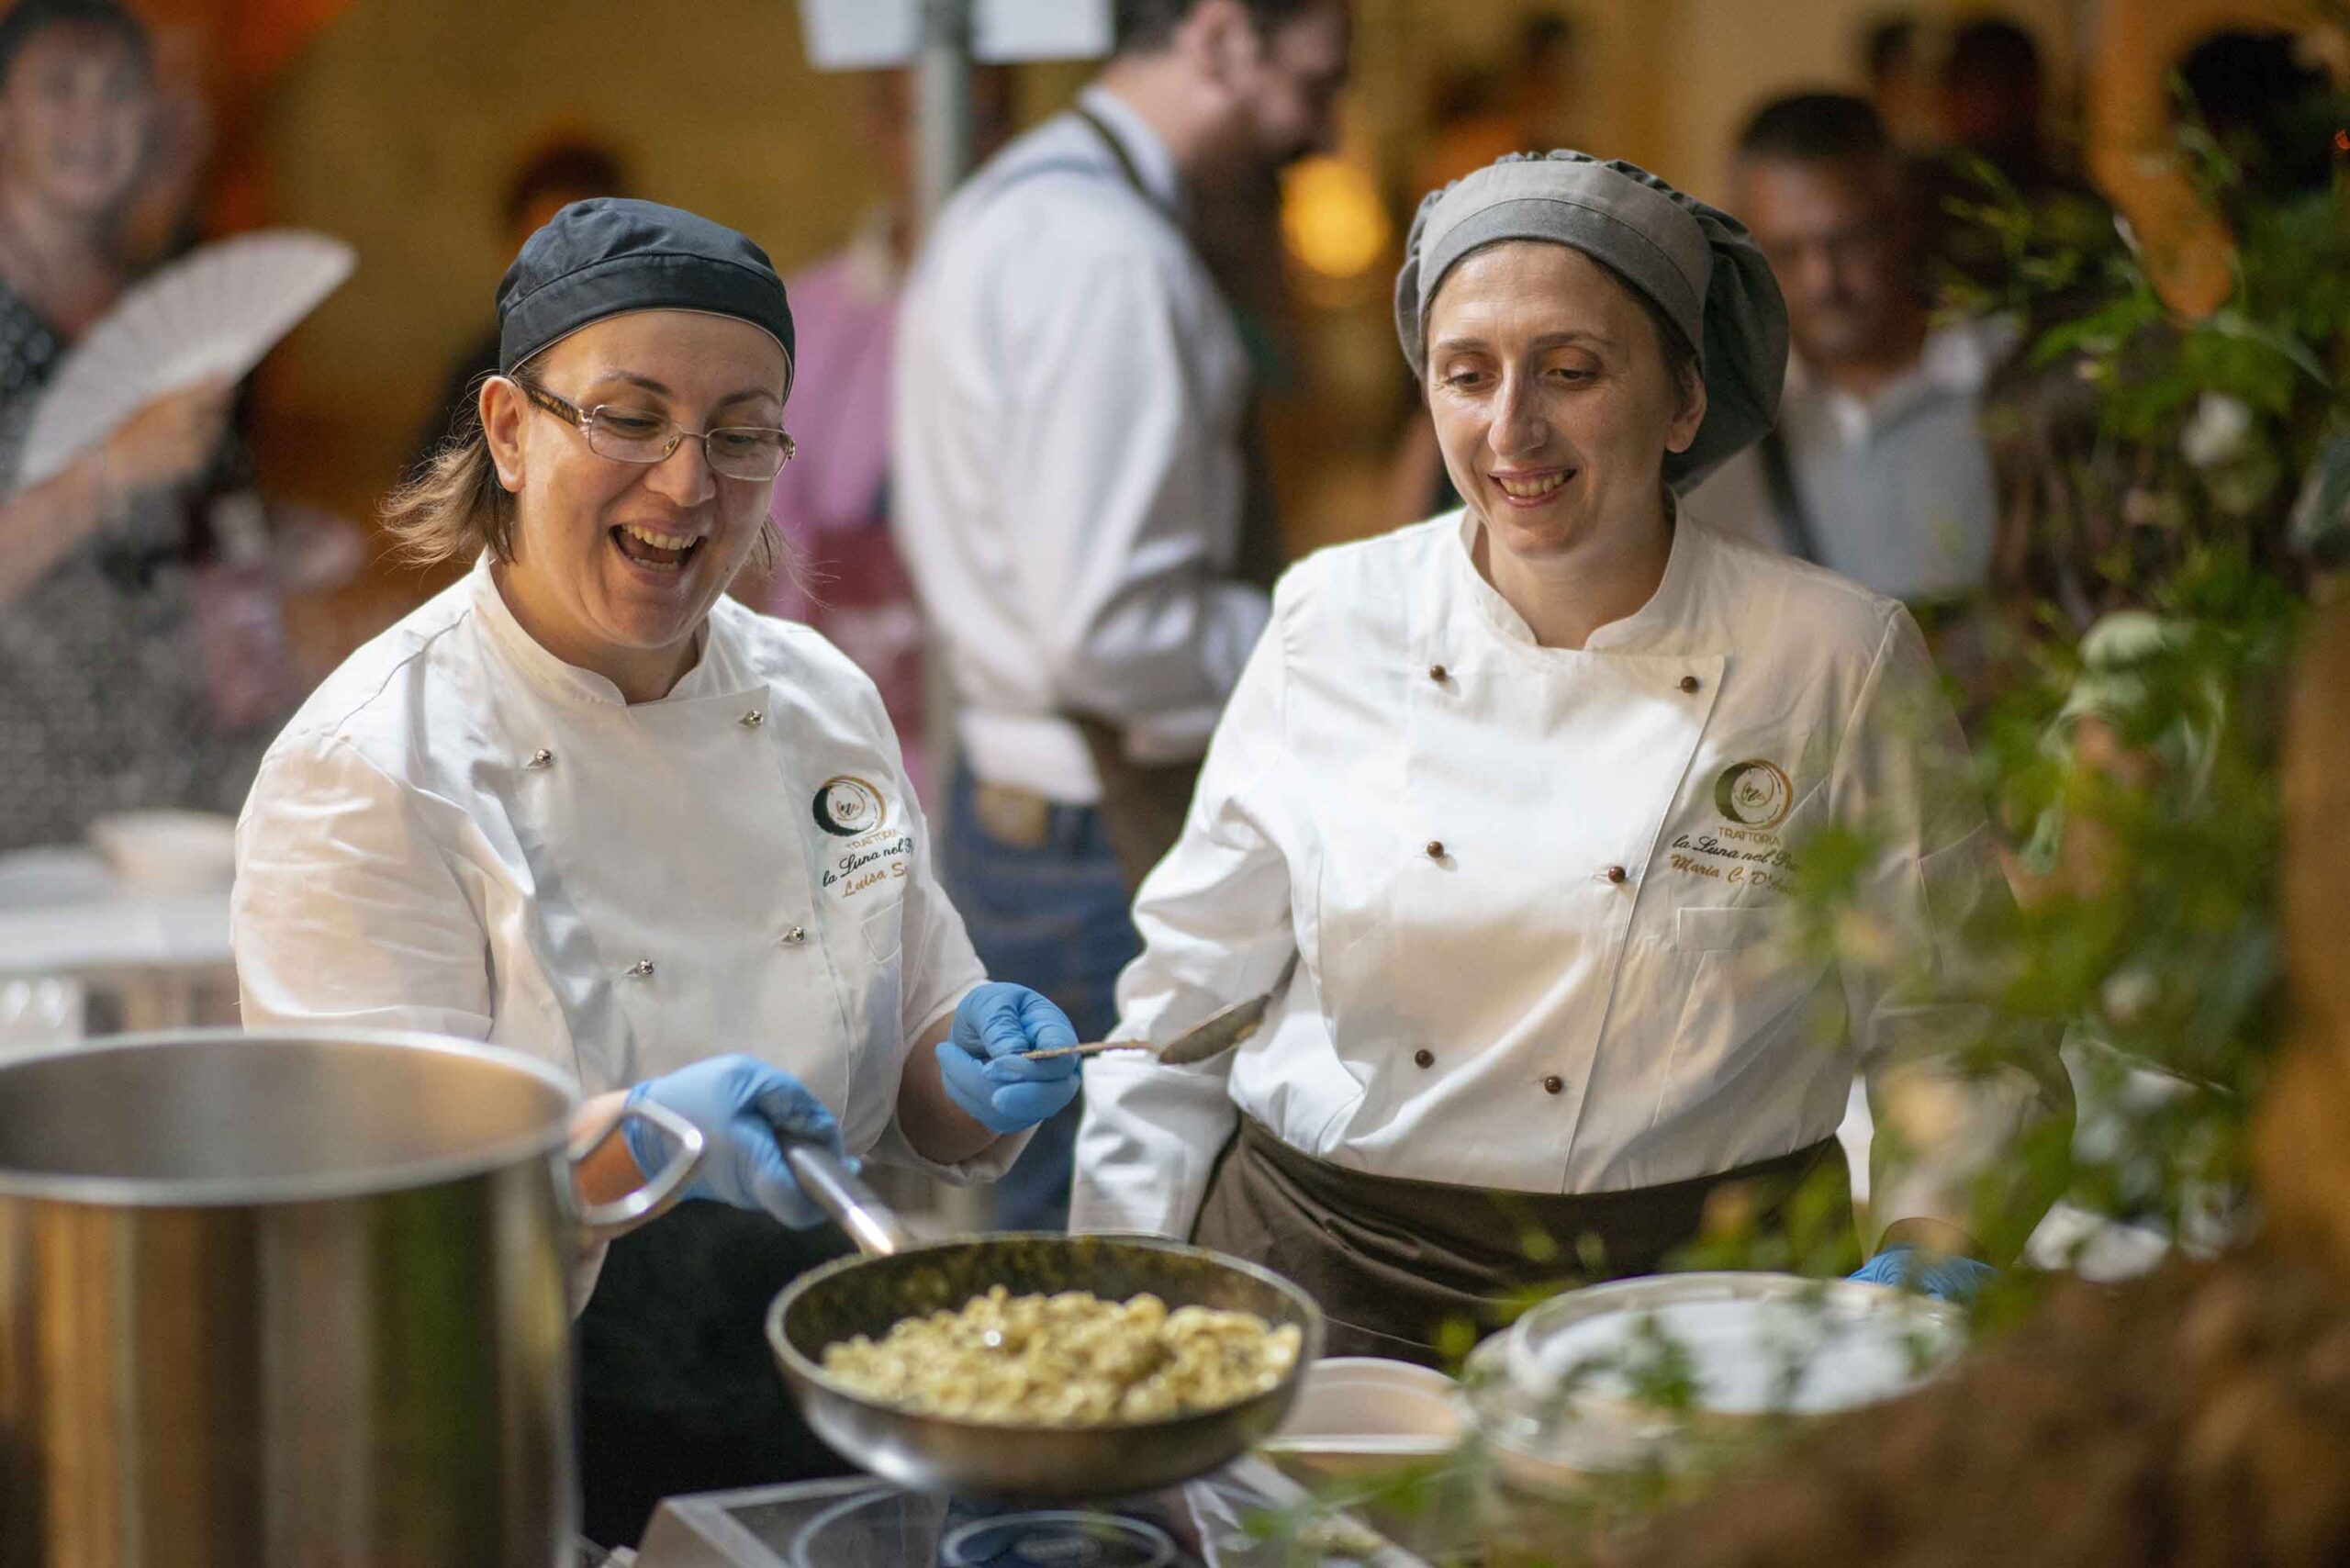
(1369, 1405)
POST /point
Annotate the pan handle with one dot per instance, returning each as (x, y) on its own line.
(603, 1222)
(839, 1191)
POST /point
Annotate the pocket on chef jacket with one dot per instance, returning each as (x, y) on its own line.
(1726, 930)
(883, 927)
(1747, 988)
(877, 981)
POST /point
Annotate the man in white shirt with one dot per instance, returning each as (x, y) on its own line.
(1878, 469)
(1071, 401)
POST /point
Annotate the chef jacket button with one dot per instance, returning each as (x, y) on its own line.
(1424, 1057)
(1688, 683)
(1616, 874)
(752, 720)
(1554, 1085)
(1437, 674)
(541, 757)
(1436, 849)
(641, 970)
(793, 935)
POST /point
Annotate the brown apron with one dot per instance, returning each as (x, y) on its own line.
(1393, 1262)
(1142, 804)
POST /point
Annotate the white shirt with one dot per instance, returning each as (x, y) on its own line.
(1896, 488)
(461, 834)
(1439, 853)
(1066, 474)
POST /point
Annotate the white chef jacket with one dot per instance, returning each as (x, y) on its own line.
(1897, 487)
(459, 833)
(1066, 474)
(1537, 894)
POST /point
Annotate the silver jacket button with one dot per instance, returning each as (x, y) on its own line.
(793, 935)
(752, 720)
(641, 970)
(540, 758)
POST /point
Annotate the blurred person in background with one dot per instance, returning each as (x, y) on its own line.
(841, 572)
(1877, 468)
(1995, 122)
(562, 169)
(1901, 80)
(2271, 109)
(124, 682)
(1994, 102)
(1070, 464)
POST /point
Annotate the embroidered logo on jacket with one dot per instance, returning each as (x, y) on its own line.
(848, 807)
(1754, 794)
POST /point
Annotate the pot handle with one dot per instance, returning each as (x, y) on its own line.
(605, 1221)
(842, 1193)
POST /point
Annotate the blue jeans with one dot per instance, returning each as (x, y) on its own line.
(1054, 917)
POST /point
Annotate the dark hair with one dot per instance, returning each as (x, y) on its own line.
(1807, 128)
(578, 166)
(1992, 51)
(1888, 45)
(1545, 30)
(1145, 27)
(2276, 115)
(27, 20)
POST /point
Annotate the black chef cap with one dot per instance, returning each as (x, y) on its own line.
(610, 255)
(1697, 263)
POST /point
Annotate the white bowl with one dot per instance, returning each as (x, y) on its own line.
(1559, 1400)
(1370, 1410)
(169, 852)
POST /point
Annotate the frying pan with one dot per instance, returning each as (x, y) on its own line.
(898, 1278)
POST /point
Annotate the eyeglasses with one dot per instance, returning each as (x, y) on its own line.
(636, 435)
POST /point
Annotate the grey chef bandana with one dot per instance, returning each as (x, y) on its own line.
(1698, 264)
(607, 256)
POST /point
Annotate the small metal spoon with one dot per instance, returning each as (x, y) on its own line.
(1219, 1031)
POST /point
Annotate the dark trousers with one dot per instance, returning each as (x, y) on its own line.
(1048, 911)
(678, 1391)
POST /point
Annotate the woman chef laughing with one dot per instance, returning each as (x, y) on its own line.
(583, 805)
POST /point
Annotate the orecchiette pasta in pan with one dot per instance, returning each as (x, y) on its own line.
(1067, 1359)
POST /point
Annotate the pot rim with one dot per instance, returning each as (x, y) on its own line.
(241, 1191)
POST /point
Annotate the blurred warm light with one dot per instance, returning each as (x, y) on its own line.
(1332, 219)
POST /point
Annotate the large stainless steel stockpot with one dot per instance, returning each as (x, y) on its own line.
(288, 1301)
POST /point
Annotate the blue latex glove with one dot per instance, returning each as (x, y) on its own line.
(980, 1058)
(1902, 1266)
(743, 1106)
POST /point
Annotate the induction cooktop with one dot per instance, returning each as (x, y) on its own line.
(1247, 1515)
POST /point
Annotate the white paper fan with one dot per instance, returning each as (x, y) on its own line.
(214, 312)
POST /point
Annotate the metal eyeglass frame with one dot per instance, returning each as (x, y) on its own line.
(583, 421)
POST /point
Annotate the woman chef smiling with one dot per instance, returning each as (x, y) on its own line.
(583, 805)
(1519, 786)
